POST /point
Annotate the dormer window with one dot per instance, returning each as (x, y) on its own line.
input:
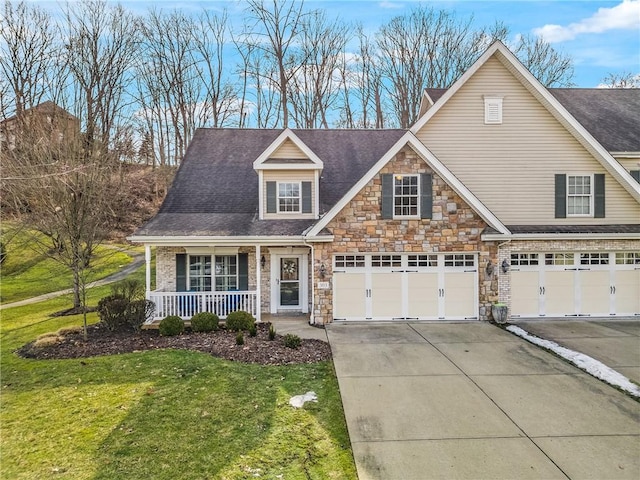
(289, 197)
(492, 110)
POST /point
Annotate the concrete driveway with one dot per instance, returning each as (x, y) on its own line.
(615, 343)
(472, 401)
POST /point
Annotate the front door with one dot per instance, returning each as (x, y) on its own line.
(290, 282)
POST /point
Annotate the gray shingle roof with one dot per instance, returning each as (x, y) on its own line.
(611, 115)
(215, 191)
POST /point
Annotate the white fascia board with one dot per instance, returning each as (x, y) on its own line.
(288, 166)
(287, 134)
(495, 237)
(186, 240)
(409, 139)
(625, 154)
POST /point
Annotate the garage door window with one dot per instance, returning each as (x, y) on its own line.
(459, 260)
(386, 260)
(518, 259)
(628, 258)
(558, 258)
(423, 260)
(349, 261)
(594, 259)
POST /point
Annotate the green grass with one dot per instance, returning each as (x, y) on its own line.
(27, 273)
(167, 414)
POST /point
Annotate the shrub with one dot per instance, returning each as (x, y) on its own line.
(239, 339)
(70, 330)
(204, 322)
(292, 341)
(171, 326)
(272, 332)
(42, 342)
(137, 313)
(130, 289)
(239, 320)
(112, 311)
(253, 330)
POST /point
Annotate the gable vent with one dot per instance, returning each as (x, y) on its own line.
(492, 110)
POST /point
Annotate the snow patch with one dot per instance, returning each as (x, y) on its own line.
(299, 400)
(582, 361)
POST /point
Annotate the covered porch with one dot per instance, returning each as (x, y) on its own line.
(220, 278)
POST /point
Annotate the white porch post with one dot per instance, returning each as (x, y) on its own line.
(258, 284)
(147, 259)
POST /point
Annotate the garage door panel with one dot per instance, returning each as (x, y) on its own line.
(627, 292)
(525, 293)
(595, 292)
(349, 299)
(460, 293)
(386, 295)
(559, 293)
(423, 295)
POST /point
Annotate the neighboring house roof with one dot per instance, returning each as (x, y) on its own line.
(215, 191)
(611, 115)
(43, 108)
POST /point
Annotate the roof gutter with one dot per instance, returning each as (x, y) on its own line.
(497, 237)
(188, 240)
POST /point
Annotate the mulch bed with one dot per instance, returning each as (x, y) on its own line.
(222, 344)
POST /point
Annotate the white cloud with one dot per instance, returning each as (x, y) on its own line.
(390, 5)
(625, 16)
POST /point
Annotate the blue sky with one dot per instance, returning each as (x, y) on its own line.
(601, 36)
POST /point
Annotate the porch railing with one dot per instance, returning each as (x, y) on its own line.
(187, 304)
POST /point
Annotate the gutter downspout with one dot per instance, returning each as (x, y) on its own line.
(312, 319)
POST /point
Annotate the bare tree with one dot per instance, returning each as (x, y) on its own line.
(551, 67)
(278, 23)
(313, 92)
(29, 58)
(621, 80)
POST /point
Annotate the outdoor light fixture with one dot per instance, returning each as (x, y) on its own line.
(489, 269)
(323, 271)
(262, 261)
(505, 266)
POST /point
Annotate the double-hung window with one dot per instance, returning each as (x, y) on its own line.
(289, 197)
(579, 195)
(224, 275)
(405, 196)
(226, 272)
(200, 273)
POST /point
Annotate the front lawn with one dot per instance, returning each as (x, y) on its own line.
(26, 273)
(161, 414)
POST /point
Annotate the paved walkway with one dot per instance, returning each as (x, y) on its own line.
(472, 401)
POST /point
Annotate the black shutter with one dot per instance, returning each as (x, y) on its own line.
(387, 196)
(271, 197)
(243, 271)
(181, 272)
(306, 197)
(426, 195)
(598, 192)
(561, 196)
(636, 175)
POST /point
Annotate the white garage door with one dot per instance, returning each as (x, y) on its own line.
(573, 284)
(405, 286)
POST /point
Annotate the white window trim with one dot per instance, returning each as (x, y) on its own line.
(406, 217)
(591, 196)
(213, 268)
(294, 212)
(489, 102)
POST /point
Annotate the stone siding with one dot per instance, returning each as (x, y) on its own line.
(455, 227)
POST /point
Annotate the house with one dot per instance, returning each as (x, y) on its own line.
(503, 191)
(44, 122)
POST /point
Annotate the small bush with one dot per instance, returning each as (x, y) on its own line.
(292, 341)
(204, 322)
(130, 289)
(171, 326)
(239, 320)
(272, 332)
(253, 330)
(47, 341)
(112, 311)
(239, 339)
(69, 330)
(137, 313)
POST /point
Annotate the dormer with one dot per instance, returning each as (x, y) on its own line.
(288, 175)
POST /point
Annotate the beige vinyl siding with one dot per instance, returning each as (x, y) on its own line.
(288, 176)
(510, 167)
(629, 163)
(288, 150)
